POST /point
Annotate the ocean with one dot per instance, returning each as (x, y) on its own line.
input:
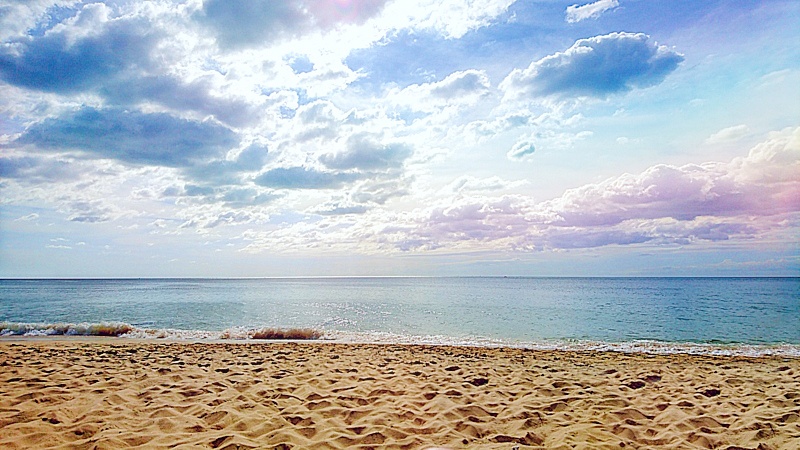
(748, 316)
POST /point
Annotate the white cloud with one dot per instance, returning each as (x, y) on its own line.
(521, 150)
(577, 13)
(729, 134)
(457, 89)
(452, 18)
(624, 140)
(469, 185)
(19, 16)
(27, 218)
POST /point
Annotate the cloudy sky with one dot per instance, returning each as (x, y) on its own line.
(405, 137)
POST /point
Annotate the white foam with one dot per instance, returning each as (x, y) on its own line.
(639, 346)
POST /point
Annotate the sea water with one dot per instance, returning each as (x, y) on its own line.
(697, 315)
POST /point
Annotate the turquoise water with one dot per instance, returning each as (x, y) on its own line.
(664, 313)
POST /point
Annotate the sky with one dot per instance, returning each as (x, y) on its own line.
(265, 138)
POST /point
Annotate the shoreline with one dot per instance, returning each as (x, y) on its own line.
(647, 347)
(80, 392)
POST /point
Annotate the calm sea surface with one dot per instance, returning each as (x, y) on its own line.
(756, 314)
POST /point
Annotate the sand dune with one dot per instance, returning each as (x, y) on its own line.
(118, 394)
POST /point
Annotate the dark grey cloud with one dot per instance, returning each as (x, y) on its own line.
(581, 238)
(232, 196)
(15, 167)
(364, 153)
(224, 171)
(35, 169)
(89, 211)
(303, 178)
(193, 190)
(252, 157)
(178, 95)
(596, 67)
(250, 22)
(134, 137)
(381, 190)
(247, 23)
(59, 62)
(246, 197)
(340, 209)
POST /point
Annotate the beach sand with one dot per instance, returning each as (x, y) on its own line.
(113, 393)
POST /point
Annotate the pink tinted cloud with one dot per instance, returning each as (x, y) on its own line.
(764, 183)
(664, 204)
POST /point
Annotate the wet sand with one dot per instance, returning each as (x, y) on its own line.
(114, 393)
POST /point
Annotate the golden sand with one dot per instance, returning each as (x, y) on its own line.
(122, 394)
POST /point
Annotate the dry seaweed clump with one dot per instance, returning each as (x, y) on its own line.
(275, 334)
(111, 330)
(291, 333)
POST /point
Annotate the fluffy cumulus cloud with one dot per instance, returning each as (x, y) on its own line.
(465, 221)
(366, 154)
(705, 199)
(457, 89)
(576, 13)
(596, 67)
(461, 84)
(450, 18)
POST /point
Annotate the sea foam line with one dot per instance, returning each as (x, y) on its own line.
(124, 330)
(638, 346)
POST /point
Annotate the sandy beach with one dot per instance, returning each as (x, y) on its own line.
(111, 393)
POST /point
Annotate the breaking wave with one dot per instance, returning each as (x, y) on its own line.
(111, 329)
